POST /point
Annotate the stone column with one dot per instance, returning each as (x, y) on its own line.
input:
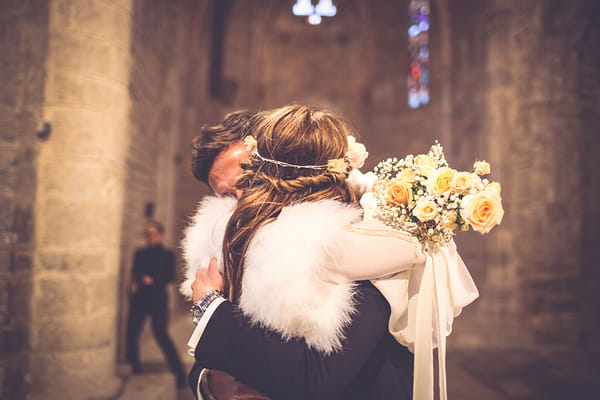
(79, 206)
(533, 138)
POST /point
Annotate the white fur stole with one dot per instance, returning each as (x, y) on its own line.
(203, 238)
(290, 285)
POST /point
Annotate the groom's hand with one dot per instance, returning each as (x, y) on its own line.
(206, 280)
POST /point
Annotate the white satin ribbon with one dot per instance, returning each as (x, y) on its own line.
(423, 373)
(434, 315)
(424, 302)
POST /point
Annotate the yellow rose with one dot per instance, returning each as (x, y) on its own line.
(495, 186)
(481, 167)
(406, 176)
(440, 181)
(462, 181)
(483, 210)
(398, 192)
(425, 210)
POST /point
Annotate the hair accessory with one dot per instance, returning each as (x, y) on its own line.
(339, 165)
(250, 142)
(355, 157)
(284, 164)
(356, 154)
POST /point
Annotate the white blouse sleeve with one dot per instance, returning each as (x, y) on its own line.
(373, 250)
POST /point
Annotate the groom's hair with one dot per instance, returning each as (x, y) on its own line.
(213, 139)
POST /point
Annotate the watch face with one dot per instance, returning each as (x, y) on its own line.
(196, 312)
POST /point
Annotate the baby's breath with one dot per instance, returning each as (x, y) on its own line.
(440, 228)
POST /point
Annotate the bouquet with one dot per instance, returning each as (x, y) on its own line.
(422, 195)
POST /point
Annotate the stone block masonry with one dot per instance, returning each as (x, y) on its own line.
(79, 201)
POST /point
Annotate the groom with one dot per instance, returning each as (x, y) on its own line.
(371, 364)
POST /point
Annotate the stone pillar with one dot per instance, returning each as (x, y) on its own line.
(80, 200)
(525, 90)
(531, 135)
(23, 28)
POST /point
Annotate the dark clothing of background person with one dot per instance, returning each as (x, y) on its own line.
(371, 365)
(151, 299)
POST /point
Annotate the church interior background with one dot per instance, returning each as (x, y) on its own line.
(100, 99)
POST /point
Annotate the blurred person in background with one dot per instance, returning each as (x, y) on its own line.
(153, 268)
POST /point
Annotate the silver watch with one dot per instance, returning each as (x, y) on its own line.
(199, 308)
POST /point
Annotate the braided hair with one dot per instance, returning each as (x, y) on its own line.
(296, 135)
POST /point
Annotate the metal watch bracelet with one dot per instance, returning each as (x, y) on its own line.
(199, 308)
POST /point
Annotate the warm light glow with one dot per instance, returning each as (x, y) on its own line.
(325, 8)
(303, 8)
(314, 19)
(314, 14)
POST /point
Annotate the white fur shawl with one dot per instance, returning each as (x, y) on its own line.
(289, 283)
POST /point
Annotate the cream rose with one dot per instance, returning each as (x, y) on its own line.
(449, 220)
(250, 142)
(440, 181)
(406, 176)
(425, 210)
(398, 192)
(425, 164)
(481, 167)
(483, 210)
(462, 181)
(495, 186)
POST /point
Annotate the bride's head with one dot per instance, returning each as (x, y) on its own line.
(294, 146)
(299, 157)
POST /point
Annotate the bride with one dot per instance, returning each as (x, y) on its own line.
(291, 249)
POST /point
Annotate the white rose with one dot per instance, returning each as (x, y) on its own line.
(425, 164)
(357, 153)
(481, 167)
(495, 186)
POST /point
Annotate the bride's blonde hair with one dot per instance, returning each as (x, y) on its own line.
(296, 135)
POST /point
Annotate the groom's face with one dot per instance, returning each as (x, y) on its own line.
(226, 168)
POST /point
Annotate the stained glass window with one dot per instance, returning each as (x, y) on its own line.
(418, 51)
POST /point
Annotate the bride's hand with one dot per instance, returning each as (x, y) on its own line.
(207, 280)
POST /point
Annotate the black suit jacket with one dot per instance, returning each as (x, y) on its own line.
(157, 262)
(372, 364)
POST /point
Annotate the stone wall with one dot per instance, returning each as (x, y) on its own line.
(354, 64)
(588, 93)
(23, 46)
(80, 200)
(160, 44)
(512, 82)
(517, 102)
(126, 86)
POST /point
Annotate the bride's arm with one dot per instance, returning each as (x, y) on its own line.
(373, 250)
